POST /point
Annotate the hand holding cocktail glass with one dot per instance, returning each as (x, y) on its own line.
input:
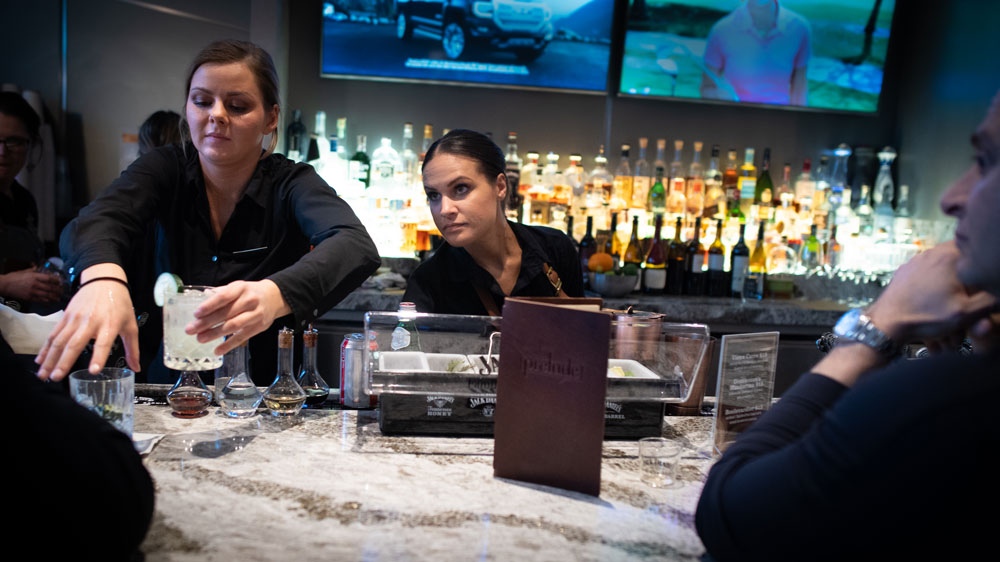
(102, 310)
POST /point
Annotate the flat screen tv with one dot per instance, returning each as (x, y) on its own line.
(537, 44)
(790, 53)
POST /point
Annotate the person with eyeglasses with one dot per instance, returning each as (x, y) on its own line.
(20, 247)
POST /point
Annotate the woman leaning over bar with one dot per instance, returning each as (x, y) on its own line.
(228, 213)
(485, 257)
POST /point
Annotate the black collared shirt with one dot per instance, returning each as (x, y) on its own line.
(445, 283)
(286, 209)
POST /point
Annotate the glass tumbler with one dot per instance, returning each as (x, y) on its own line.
(110, 394)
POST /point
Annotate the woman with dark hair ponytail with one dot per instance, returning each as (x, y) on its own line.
(485, 257)
(273, 238)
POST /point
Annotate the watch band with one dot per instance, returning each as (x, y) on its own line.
(858, 327)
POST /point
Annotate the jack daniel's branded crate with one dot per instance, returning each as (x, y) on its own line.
(440, 379)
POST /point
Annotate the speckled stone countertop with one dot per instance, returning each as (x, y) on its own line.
(328, 485)
(703, 310)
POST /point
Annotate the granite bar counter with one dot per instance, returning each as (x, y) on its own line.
(327, 485)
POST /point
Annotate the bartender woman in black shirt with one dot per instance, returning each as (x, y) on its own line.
(485, 257)
(228, 214)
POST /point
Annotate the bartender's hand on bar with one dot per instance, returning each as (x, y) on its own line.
(100, 311)
(241, 309)
(925, 300)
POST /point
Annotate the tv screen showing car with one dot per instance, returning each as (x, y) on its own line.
(545, 44)
(790, 53)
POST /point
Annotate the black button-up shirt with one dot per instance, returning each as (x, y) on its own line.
(446, 282)
(286, 210)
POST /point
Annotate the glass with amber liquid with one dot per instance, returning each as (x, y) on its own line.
(284, 398)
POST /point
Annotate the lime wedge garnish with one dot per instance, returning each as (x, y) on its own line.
(166, 284)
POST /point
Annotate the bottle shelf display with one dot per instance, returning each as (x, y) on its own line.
(872, 235)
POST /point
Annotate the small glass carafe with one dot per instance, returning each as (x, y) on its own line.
(284, 397)
(238, 397)
(309, 378)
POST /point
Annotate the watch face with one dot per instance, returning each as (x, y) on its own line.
(847, 323)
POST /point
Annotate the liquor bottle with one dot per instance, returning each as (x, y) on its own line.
(284, 397)
(640, 178)
(676, 261)
(694, 196)
(654, 275)
(833, 250)
(753, 285)
(676, 201)
(296, 138)
(661, 154)
(657, 194)
(730, 184)
(715, 196)
(515, 199)
(695, 278)
(812, 252)
(309, 378)
(528, 172)
(385, 163)
(574, 176)
(428, 141)
(633, 252)
(717, 265)
(739, 262)
(600, 180)
(764, 189)
(406, 336)
(359, 168)
(838, 185)
(334, 168)
(322, 142)
(569, 232)
(843, 213)
(821, 203)
(587, 248)
(621, 192)
(612, 245)
(747, 184)
(864, 212)
(408, 172)
(902, 224)
(884, 188)
(342, 139)
(784, 192)
(804, 186)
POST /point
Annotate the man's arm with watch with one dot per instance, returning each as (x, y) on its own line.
(925, 300)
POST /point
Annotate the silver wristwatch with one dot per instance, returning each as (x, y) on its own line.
(855, 325)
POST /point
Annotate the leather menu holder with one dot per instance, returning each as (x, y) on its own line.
(549, 420)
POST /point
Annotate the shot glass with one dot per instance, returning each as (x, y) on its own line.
(658, 461)
(110, 394)
(182, 351)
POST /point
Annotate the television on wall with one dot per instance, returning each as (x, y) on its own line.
(812, 54)
(535, 44)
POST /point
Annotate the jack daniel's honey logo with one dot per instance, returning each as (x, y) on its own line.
(545, 366)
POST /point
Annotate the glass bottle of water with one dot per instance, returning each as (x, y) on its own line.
(884, 191)
(238, 397)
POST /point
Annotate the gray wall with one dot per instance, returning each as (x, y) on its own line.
(948, 81)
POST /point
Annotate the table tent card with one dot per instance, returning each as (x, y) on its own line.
(745, 385)
(549, 421)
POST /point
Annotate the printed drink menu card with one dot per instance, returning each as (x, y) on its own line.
(549, 420)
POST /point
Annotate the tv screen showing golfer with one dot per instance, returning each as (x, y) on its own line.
(806, 53)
